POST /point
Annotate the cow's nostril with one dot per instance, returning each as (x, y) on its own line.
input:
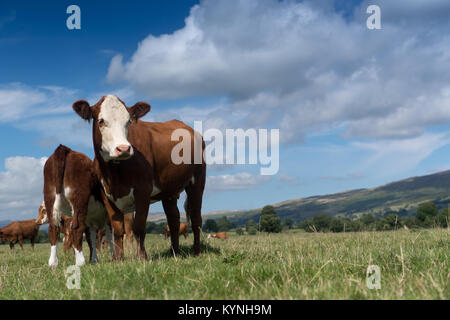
(123, 149)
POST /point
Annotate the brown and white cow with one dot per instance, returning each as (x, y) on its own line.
(218, 235)
(17, 231)
(184, 230)
(71, 188)
(133, 162)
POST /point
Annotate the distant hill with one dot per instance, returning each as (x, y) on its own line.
(402, 196)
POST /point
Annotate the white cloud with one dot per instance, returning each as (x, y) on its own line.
(388, 157)
(21, 187)
(302, 67)
(238, 181)
(19, 101)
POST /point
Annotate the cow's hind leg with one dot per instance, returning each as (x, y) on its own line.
(140, 220)
(78, 227)
(193, 205)
(173, 219)
(53, 234)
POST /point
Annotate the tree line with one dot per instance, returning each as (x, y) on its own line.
(428, 216)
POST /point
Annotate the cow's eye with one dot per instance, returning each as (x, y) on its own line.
(101, 122)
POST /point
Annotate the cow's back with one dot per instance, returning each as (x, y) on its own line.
(70, 174)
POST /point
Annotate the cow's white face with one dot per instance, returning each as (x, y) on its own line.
(114, 122)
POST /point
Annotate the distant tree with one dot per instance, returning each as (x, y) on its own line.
(426, 212)
(210, 226)
(232, 225)
(240, 231)
(368, 219)
(337, 225)
(42, 236)
(250, 223)
(159, 228)
(393, 221)
(306, 225)
(223, 224)
(289, 223)
(322, 222)
(270, 221)
(150, 226)
(444, 217)
(252, 230)
(268, 210)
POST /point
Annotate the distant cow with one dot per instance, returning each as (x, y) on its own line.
(71, 188)
(218, 235)
(133, 160)
(184, 230)
(64, 227)
(18, 231)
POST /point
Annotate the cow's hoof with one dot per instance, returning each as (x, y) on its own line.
(79, 258)
(53, 263)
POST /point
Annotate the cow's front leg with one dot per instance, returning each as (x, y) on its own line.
(117, 225)
(140, 220)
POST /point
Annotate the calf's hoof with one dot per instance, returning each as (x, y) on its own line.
(79, 258)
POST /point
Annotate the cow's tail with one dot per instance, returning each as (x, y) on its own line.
(60, 155)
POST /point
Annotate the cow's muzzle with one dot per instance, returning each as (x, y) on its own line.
(123, 152)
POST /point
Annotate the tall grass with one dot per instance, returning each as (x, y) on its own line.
(414, 265)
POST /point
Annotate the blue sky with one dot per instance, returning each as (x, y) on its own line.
(356, 108)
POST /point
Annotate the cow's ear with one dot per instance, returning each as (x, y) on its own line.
(139, 110)
(83, 109)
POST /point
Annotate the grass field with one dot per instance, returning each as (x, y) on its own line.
(413, 264)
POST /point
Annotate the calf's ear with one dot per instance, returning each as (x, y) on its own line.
(139, 110)
(83, 109)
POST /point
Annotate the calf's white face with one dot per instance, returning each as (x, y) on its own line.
(114, 122)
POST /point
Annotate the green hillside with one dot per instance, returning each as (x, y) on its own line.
(403, 197)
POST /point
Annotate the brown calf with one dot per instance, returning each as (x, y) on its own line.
(18, 231)
(218, 235)
(184, 230)
(133, 161)
(71, 187)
